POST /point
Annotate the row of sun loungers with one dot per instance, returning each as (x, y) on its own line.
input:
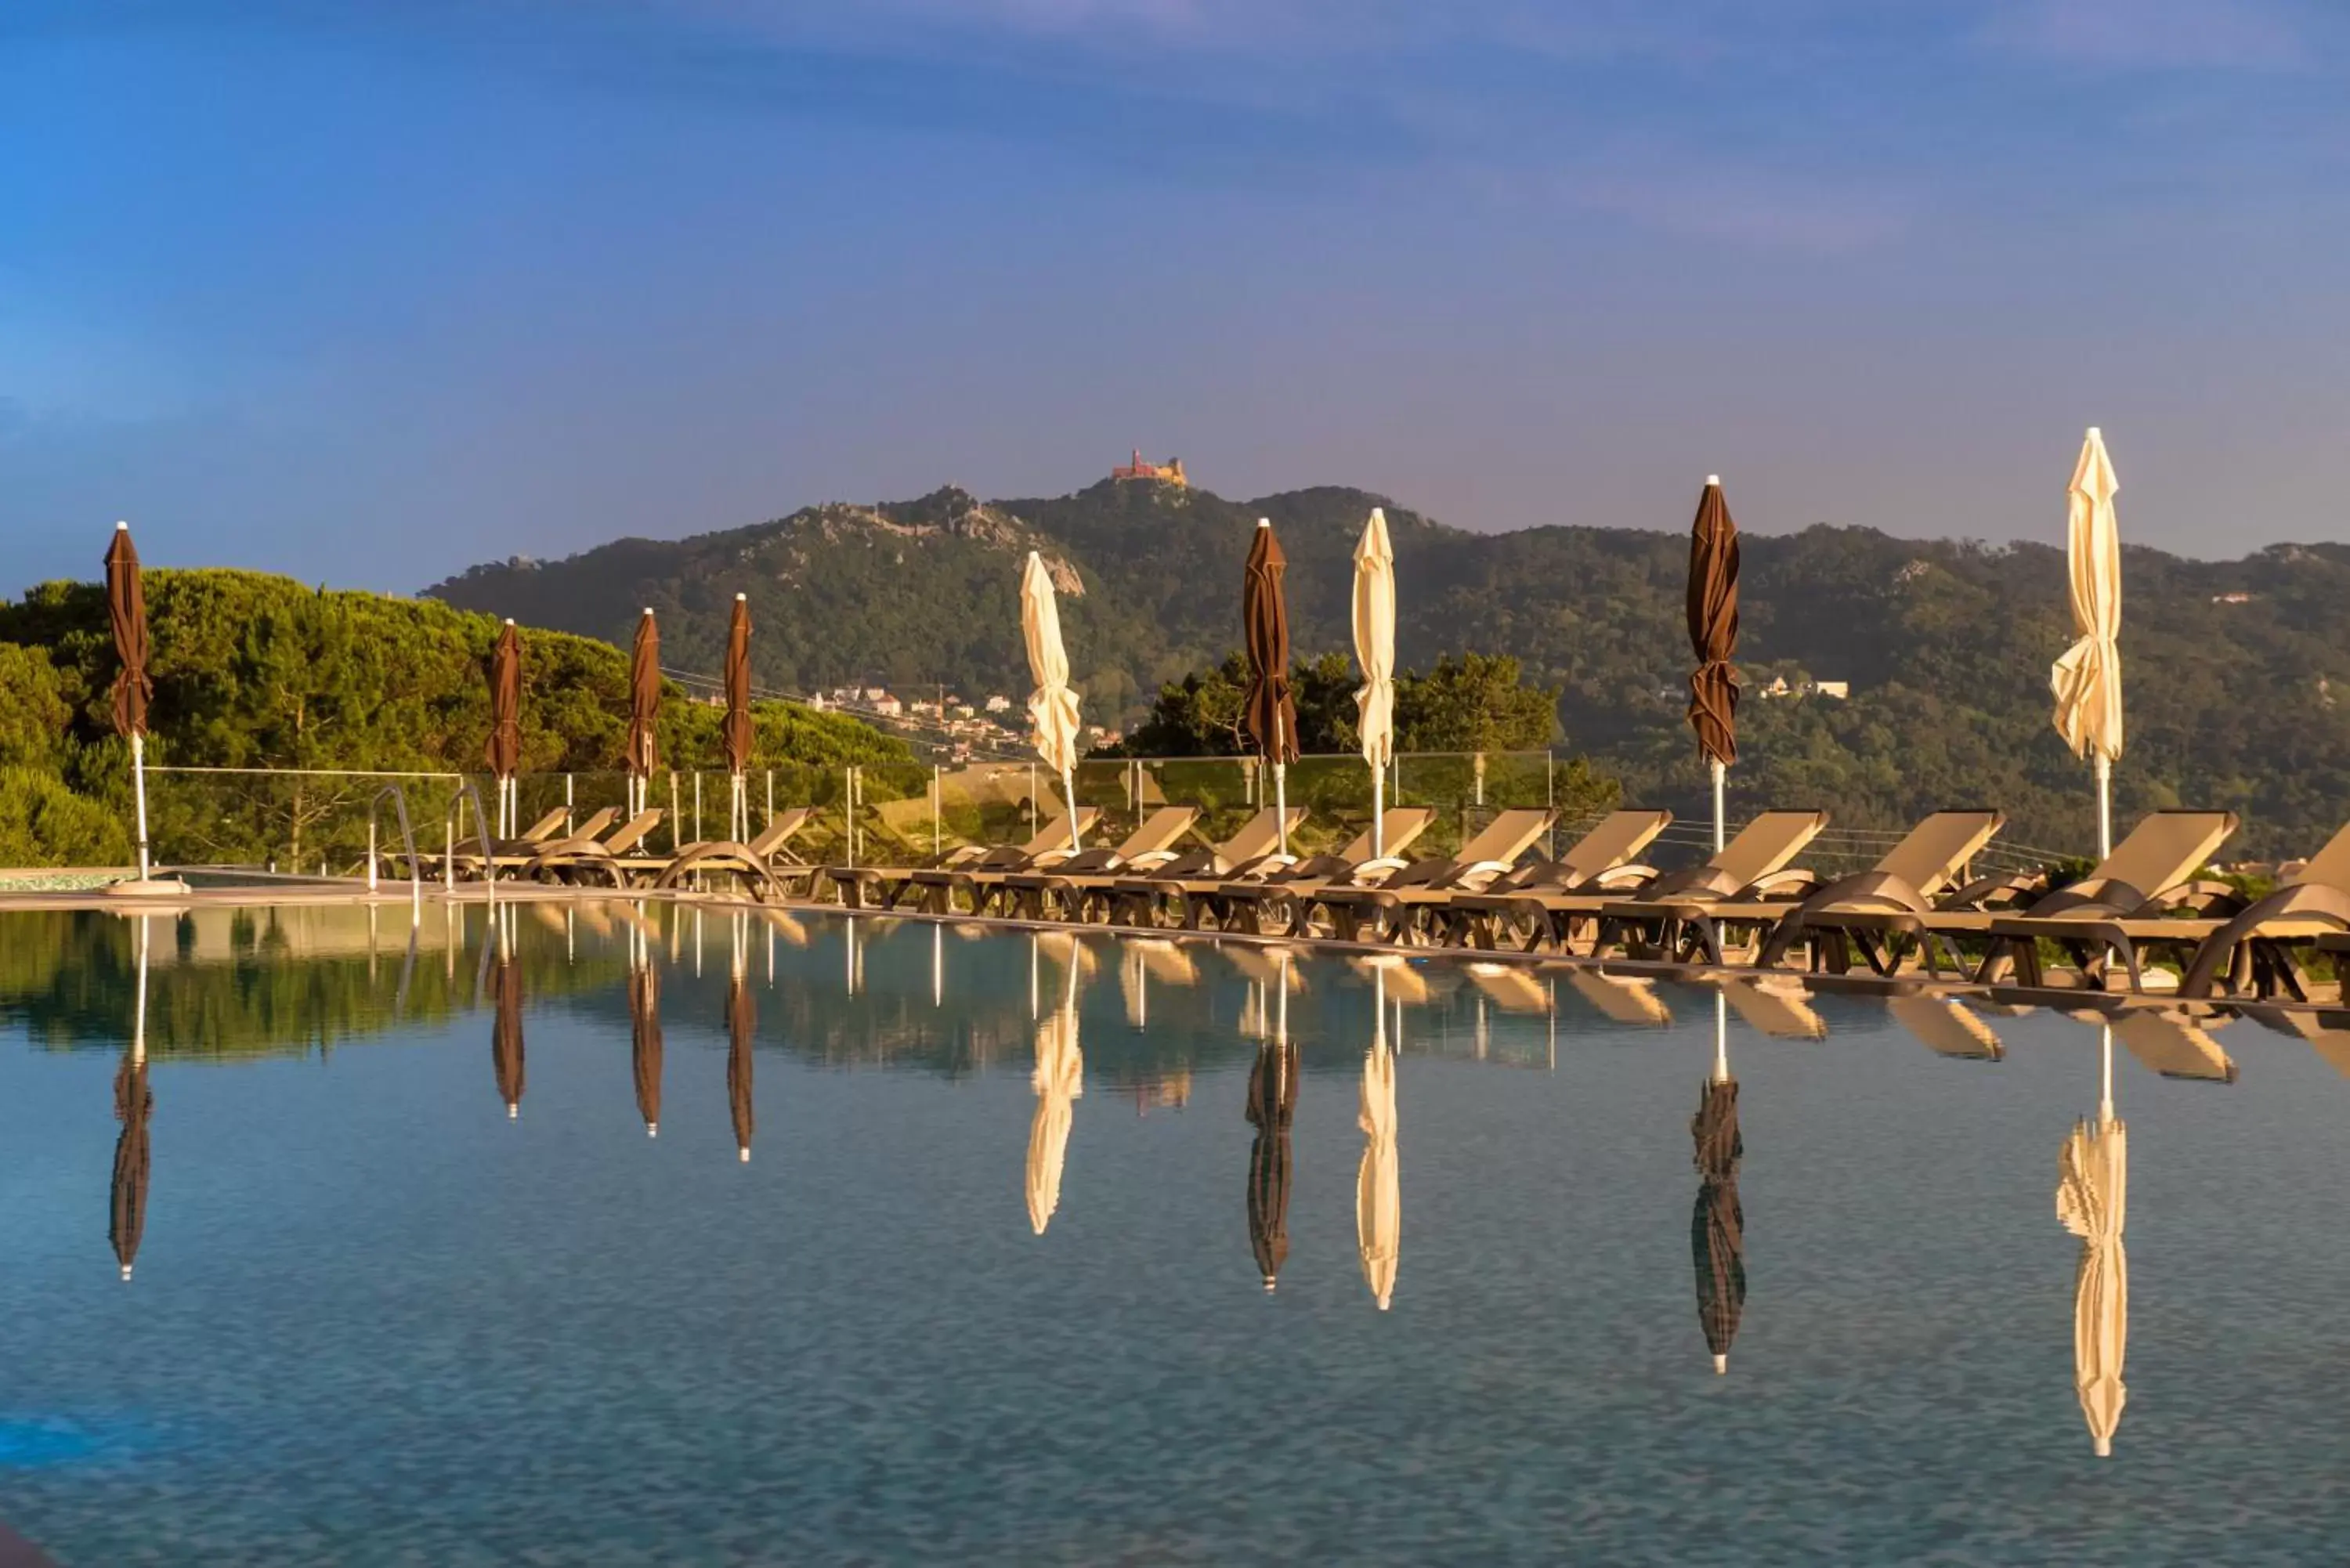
(2142, 919)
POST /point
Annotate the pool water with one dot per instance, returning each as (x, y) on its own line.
(378, 1315)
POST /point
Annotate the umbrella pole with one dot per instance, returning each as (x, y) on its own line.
(139, 789)
(1378, 812)
(1069, 799)
(1719, 774)
(2104, 807)
(1281, 801)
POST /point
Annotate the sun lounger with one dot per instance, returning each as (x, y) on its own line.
(1866, 912)
(2251, 951)
(1753, 866)
(1388, 909)
(1074, 880)
(2106, 915)
(512, 854)
(1601, 861)
(582, 858)
(1134, 900)
(887, 887)
(758, 866)
(1262, 903)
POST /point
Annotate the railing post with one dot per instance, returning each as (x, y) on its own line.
(371, 847)
(567, 805)
(697, 805)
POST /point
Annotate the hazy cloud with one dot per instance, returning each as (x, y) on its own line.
(2235, 35)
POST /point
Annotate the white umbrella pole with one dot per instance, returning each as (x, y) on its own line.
(1719, 774)
(1378, 811)
(1069, 800)
(2104, 805)
(138, 1016)
(1281, 801)
(138, 790)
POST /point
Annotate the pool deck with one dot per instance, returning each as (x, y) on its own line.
(249, 888)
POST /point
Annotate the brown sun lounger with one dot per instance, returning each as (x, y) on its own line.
(934, 884)
(1244, 905)
(1071, 882)
(1862, 913)
(583, 858)
(759, 866)
(2120, 904)
(2251, 951)
(1358, 914)
(1753, 866)
(512, 854)
(1601, 861)
(1131, 900)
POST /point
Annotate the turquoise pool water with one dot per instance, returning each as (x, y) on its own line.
(376, 1319)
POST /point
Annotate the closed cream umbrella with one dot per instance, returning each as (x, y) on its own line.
(1059, 1080)
(1051, 707)
(2088, 680)
(1379, 1187)
(2090, 1187)
(1375, 616)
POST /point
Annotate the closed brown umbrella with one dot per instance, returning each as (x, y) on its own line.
(1271, 1105)
(737, 735)
(126, 609)
(506, 1032)
(644, 708)
(645, 1041)
(1714, 638)
(1718, 1223)
(502, 755)
(1270, 715)
(132, 1106)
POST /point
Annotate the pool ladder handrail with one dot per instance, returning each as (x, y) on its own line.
(408, 841)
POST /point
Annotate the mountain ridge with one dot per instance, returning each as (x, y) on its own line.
(2232, 669)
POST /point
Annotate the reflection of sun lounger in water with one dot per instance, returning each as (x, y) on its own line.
(1946, 1027)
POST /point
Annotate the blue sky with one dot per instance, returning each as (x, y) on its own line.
(367, 291)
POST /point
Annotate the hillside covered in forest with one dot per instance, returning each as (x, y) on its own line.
(254, 671)
(2233, 670)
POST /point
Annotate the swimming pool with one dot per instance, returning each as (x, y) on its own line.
(412, 1284)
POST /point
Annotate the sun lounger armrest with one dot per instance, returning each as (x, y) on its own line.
(1995, 892)
(1476, 874)
(1151, 860)
(2199, 897)
(1791, 883)
(1618, 879)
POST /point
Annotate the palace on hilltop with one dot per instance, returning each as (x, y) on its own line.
(1169, 473)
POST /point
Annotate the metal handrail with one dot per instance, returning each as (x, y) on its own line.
(455, 823)
(408, 840)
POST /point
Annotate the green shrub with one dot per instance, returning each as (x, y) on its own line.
(42, 823)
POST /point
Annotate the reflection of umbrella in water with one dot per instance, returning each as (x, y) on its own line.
(1379, 1187)
(132, 1106)
(645, 1041)
(506, 1032)
(1272, 1102)
(1718, 1223)
(2091, 1191)
(741, 1024)
(1059, 1080)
